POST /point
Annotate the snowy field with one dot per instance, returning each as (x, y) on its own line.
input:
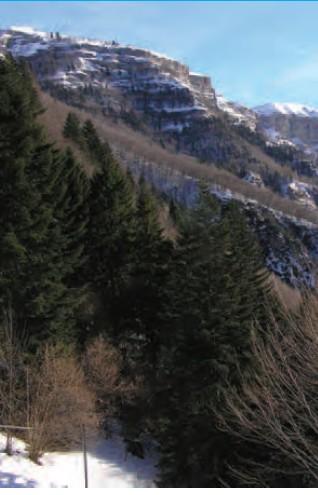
(108, 467)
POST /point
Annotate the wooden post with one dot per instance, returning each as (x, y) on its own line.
(28, 403)
(84, 455)
(9, 323)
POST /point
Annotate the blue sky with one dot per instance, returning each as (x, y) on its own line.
(254, 51)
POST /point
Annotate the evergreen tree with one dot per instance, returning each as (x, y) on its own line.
(217, 287)
(150, 272)
(75, 210)
(72, 128)
(97, 149)
(70, 193)
(34, 242)
(111, 232)
(142, 316)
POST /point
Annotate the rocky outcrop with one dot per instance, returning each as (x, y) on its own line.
(144, 88)
(161, 88)
(290, 123)
(236, 113)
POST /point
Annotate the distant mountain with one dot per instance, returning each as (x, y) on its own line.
(286, 109)
(291, 123)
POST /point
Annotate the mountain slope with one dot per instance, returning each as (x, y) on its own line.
(149, 91)
(154, 93)
(290, 244)
(163, 121)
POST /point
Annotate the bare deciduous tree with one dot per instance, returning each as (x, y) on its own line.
(278, 408)
(61, 403)
(103, 366)
(12, 377)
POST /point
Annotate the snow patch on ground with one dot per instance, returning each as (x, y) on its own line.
(108, 467)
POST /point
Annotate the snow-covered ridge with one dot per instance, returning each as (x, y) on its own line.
(286, 109)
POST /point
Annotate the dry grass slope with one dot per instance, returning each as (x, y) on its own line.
(137, 144)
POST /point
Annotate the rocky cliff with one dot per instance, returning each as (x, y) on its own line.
(151, 83)
(150, 91)
(292, 123)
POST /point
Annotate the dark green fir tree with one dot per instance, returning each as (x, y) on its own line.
(217, 286)
(72, 127)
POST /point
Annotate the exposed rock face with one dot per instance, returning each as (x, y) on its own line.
(237, 113)
(146, 89)
(162, 88)
(281, 124)
(303, 193)
(292, 123)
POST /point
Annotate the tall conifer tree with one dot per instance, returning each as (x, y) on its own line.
(217, 287)
(111, 232)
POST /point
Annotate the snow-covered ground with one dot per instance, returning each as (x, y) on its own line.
(108, 467)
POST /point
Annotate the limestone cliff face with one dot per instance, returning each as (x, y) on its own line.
(118, 78)
(280, 123)
(302, 131)
(146, 89)
(296, 124)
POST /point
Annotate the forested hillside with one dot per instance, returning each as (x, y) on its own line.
(171, 328)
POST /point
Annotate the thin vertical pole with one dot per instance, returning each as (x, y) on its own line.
(28, 399)
(84, 455)
(10, 399)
